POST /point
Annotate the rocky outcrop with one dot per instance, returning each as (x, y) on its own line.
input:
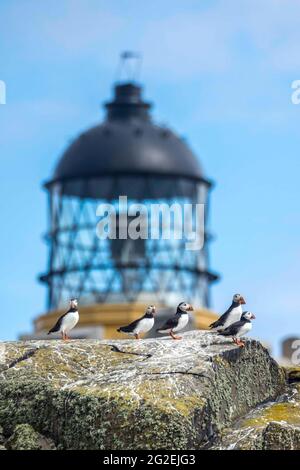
(128, 394)
(272, 426)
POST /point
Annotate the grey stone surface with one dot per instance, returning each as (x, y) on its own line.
(128, 394)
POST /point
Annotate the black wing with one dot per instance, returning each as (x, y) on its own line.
(170, 324)
(57, 325)
(233, 329)
(130, 327)
(222, 319)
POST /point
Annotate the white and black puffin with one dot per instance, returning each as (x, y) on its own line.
(239, 328)
(232, 315)
(141, 325)
(67, 321)
(178, 321)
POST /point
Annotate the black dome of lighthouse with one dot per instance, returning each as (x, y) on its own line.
(127, 143)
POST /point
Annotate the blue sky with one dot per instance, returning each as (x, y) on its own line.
(220, 74)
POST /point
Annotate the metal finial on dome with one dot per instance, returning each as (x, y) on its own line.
(129, 67)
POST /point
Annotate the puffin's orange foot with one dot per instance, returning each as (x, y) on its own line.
(175, 337)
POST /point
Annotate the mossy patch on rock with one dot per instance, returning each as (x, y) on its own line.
(280, 436)
(275, 425)
(25, 437)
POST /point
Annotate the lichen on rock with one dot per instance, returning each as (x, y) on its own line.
(25, 437)
(128, 394)
(271, 426)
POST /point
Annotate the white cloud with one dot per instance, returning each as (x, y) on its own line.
(226, 34)
(188, 43)
(179, 42)
(273, 28)
(63, 30)
(23, 121)
(83, 25)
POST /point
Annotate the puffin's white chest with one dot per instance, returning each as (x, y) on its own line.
(69, 321)
(182, 322)
(144, 325)
(244, 329)
(235, 315)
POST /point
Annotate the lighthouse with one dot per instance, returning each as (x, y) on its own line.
(127, 155)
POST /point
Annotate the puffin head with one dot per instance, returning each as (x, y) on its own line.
(151, 309)
(238, 299)
(184, 307)
(248, 316)
(73, 303)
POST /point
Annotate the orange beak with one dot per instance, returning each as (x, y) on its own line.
(153, 310)
(253, 316)
(191, 308)
(242, 301)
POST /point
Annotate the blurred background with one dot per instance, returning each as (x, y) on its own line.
(219, 73)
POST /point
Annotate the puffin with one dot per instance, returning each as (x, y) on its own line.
(232, 314)
(178, 321)
(142, 325)
(67, 321)
(239, 328)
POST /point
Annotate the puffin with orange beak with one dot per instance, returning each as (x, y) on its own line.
(232, 315)
(142, 325)
(239, 328)
(178, 321)
(67, 321)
